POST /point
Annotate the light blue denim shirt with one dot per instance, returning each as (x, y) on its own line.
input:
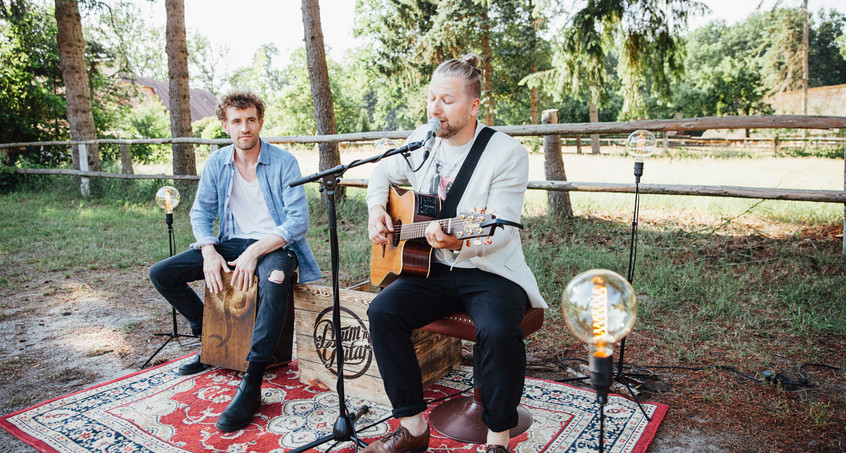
(276, 168)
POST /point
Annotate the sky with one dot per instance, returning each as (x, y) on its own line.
(244, 25)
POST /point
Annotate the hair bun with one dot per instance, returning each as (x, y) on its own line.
(472, 59)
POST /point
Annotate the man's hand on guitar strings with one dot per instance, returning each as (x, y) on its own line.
(379, 225)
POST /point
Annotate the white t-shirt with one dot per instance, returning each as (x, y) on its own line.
(441, 173)
(252, 218)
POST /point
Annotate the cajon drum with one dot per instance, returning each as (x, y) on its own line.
(228, 320)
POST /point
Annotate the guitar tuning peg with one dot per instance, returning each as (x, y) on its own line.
(477, 242)
(473, 210)
(461, 217)
(459, 233)
(488, 240)
(493, 211)
(482, 211)
(468, 243)
(479, 230)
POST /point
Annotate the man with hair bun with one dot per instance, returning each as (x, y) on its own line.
(489, 279)
(262, 228)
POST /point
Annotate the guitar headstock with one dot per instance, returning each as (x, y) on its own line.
(468, 225)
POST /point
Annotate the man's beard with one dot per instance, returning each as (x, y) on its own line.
(451, 129)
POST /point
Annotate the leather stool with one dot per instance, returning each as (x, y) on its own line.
(461, 418)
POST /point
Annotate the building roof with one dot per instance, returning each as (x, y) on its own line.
(203, 103)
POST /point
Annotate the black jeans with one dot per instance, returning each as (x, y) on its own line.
(172, 275)
(497, 306)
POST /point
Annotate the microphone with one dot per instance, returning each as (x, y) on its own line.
(434, 126)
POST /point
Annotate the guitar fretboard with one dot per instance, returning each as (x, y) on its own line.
(418, 229)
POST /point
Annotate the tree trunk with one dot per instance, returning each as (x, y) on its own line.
(75, 75)
(805, 70)
(533, 99)
(125, 159)
(321, 91)
(594, 118)
(553, 165)
(180, 99)
(488, 70)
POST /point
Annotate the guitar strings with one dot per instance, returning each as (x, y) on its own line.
(415, 230)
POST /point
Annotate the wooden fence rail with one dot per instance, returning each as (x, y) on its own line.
(819, 196)
(571, 129)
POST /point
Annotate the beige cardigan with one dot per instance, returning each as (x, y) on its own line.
(497, 185)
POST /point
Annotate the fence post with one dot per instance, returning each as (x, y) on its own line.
(666, 143)
(578, 144)
(558, 201)
(125, 159)
(84, 185)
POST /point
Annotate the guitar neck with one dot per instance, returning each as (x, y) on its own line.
(417, 230)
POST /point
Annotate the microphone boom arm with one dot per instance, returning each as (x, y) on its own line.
(339, 170)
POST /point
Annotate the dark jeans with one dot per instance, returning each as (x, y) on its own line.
(497, 306)
(171, 277)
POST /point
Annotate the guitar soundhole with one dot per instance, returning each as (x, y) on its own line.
(395, 236)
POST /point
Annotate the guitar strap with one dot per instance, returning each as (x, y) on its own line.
(463, 178)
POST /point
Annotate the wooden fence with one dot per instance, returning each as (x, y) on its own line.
(549, 130)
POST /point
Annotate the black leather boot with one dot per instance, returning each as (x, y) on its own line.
(193, 366)
(243, 406)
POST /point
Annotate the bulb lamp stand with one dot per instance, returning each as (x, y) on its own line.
(619, 376)
(171, 242)
(344, 427)
(601, 370)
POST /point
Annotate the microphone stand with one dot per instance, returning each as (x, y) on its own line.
(344, 427)
(171, 242)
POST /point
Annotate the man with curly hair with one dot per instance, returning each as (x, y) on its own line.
(262, 227)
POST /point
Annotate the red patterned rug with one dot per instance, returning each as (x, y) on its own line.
(157, 410)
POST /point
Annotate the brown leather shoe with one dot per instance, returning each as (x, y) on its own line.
(495, 449)
(400, 441)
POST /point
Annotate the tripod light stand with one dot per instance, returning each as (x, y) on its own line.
(600, 307)
(167, 198)
(640, 144)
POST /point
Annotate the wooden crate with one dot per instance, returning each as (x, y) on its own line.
(228, 320)
(437, 354)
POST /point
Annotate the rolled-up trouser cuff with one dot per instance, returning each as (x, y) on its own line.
(409, 411)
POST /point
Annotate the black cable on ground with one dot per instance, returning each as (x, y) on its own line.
(641, 377)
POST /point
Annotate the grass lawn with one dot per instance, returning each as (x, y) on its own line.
(720, 282)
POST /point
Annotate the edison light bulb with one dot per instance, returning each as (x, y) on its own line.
(167, 198)
(600, 308)
(384, 144)
(640, 144)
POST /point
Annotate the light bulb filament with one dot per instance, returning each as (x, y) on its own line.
(599, 310)
(167, 202)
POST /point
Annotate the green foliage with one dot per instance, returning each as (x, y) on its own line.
(31, 105)
(147, 120)
(646, 37)
(209, 127)
(827, 60)
(138, 47)
(424, 33)
(290, 110)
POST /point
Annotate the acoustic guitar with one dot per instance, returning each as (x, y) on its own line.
(408, 253)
